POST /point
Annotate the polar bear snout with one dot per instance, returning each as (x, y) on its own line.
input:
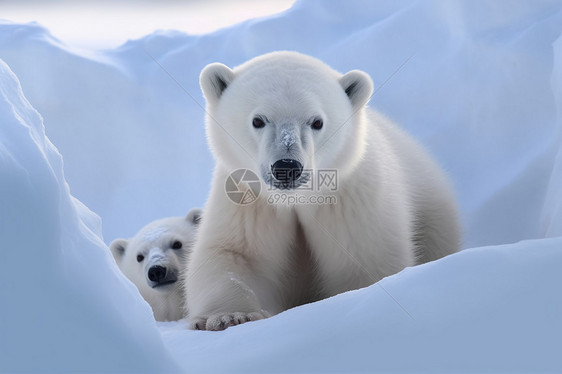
(286, 171)
(159, 275)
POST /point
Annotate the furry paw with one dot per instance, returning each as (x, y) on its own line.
(221, 321)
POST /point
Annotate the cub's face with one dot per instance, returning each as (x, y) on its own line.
(154, 257)
(285, 115)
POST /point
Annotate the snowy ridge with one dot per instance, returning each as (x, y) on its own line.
(65, 306)
(479, 84)
(467, 312)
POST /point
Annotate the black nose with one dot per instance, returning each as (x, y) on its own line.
(157, 273)
(286, 170)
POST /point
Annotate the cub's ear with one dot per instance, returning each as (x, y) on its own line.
(214, 79)
(358, 86)
(194, 216)
(118, 247)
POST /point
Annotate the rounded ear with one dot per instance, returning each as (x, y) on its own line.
(194, 216)
(117, 248)
(358, 86)
(214, 79)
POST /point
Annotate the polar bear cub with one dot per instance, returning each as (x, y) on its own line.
(154, 260)
(287, 119)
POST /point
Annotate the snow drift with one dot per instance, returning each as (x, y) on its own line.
(491, 309)
(478, 83)
(64, 305)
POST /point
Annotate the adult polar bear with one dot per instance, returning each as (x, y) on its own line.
(280, 115)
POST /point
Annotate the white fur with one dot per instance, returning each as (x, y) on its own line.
(394, 205)
(154, 242)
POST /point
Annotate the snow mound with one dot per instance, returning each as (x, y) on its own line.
(64, 305)
(490, 309)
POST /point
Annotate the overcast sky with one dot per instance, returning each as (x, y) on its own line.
(109, 23)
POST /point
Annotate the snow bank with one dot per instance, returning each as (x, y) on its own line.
(479, 83)
(64, 307)
(490, 309)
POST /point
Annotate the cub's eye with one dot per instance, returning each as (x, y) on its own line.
(176, 245)
(140, 258)
(317, 124)
(258, 123)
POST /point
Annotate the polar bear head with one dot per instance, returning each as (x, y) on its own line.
(284, 112)
(154, 260)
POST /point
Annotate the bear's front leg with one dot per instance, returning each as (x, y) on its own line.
(221, 290)
(220, 321)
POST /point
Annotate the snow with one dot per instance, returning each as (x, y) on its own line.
(100, 24)
(478, 83)
(498, 322)
(64, 304)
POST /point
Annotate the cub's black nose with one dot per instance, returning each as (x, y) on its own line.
(286, 170)
(157, 273)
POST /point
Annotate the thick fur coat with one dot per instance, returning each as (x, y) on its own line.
(391, 206)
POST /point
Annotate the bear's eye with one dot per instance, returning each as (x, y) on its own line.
(140, 258)
(176, 245)
(317, 124)
(258, 123)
